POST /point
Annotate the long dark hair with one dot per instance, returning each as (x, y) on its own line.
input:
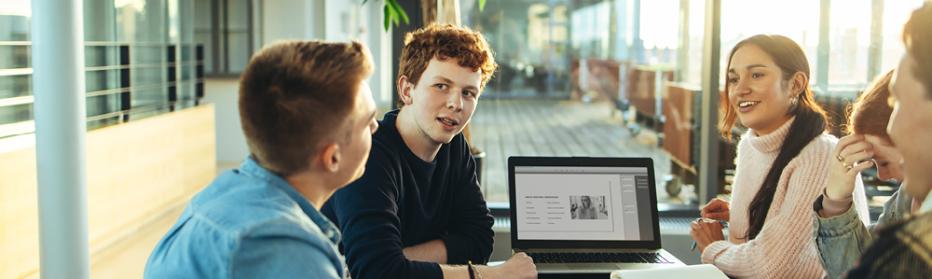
(811, 120)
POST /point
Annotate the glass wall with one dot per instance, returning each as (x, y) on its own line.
(139, 61)
(894, 16)
(645, 58)
(531, 40)
(227, 30)
(796, 19)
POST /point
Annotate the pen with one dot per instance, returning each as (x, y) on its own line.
(693, 246)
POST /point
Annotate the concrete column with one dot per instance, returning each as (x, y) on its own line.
(58, 87)
(708, 138)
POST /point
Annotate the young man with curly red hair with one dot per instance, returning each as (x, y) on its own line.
(417, 212)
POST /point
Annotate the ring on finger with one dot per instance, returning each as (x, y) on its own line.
(840, 159)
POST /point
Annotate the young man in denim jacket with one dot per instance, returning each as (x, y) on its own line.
(308, 117)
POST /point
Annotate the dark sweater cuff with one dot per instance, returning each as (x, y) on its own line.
(431, 270)
(458, 248)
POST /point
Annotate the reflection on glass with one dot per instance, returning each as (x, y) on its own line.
(12, 57)
(16, 113)
(102, 104)
(100, 56)
(101, 80)
(15, 86)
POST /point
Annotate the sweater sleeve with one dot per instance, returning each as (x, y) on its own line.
(469, 228)
(784, 247)
(368, 216)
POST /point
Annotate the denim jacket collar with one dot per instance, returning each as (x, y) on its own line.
(252, 168)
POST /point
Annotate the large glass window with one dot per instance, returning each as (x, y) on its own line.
(226, 29)
(15, 71)
(659, 33)
(796, 19)
(849, 40)
(621, 54)
(130, 51)
(895, 14)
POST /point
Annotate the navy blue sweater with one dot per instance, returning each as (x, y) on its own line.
(402, 201)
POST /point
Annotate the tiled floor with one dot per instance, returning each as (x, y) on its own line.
(504, 128)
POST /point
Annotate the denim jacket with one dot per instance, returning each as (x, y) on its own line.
(248, 223)
(842, 239)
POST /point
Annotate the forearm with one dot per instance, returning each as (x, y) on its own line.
(434, 251)
(462, 272)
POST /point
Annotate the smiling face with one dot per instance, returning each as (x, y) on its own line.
(757, 91)
(443, 100)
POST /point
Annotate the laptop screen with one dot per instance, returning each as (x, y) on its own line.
(583, 203)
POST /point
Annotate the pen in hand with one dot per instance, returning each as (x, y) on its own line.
(693, 246)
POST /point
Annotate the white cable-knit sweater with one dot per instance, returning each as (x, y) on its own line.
(785, 247)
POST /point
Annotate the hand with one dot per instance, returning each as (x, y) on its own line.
(520, 265)
(704, 233)
(717, 209)
(851, 156)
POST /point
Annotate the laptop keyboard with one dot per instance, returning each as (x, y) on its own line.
(598, 258)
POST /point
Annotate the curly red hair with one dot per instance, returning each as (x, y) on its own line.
(445, 41)
(871, 112)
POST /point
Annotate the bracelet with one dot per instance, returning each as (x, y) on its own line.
(469, 269)
(473, 271)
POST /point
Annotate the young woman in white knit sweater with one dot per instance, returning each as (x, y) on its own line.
(782, 166)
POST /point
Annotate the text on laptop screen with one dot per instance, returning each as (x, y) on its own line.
(583, 203)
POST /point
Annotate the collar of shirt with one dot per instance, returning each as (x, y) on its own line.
(926, 204)
(252, 168)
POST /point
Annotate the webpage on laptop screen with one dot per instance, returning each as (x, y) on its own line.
(583, 203)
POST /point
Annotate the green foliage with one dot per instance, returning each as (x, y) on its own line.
(393, 13)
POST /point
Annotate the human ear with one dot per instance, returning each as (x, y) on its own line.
(404, 90)
(330, 157)
(799, 83)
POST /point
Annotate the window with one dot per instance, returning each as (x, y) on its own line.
(139, 57)
(895, 14)
(226, 29)
(796, 19)
(849, 39)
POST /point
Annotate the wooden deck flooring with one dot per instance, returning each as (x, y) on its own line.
(504, 128)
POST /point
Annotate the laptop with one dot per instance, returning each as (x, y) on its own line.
(576, 215)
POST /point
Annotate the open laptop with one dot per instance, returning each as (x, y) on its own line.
(586, 215)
